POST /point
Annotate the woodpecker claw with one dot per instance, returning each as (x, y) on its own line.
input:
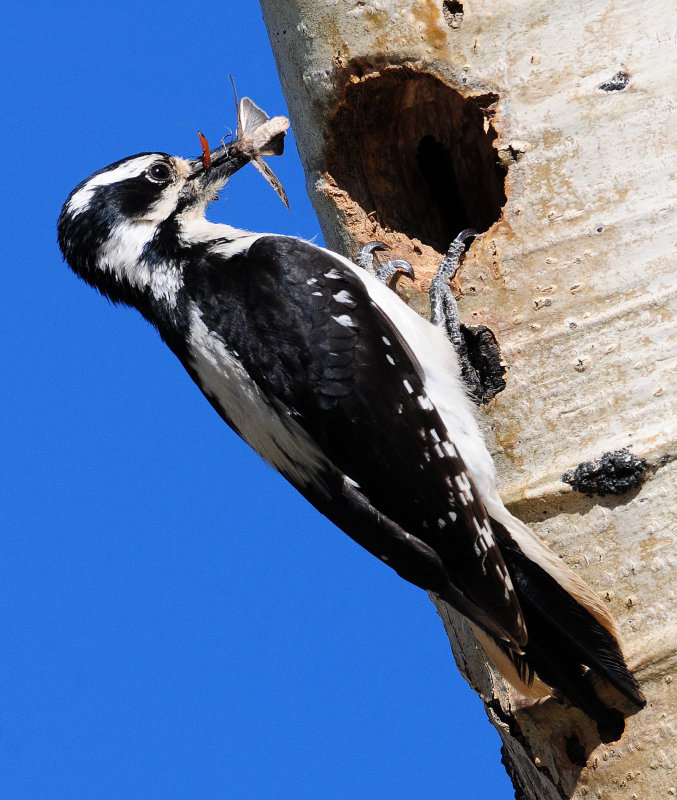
(465, 234)
(371, 247)
(365, 258)
(383, 272)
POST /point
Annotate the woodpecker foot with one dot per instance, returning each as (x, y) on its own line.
(476, 347)
(443, 307)
(384, 272)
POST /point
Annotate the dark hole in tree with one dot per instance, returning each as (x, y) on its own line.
(453, 13)
(437, 169)
(417, 155)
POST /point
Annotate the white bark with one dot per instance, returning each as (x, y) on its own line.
(577, 279)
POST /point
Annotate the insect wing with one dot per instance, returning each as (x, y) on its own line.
(250, 116)
(272, 179)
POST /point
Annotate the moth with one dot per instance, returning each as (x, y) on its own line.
(258, 135)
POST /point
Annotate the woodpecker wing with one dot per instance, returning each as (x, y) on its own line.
(337, 372)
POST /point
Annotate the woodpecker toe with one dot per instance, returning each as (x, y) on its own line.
(365, 258)
(465, 234)
(386, 271)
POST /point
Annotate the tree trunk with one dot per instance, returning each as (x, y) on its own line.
(550, 128)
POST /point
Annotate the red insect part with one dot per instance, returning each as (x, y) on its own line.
(206, 155)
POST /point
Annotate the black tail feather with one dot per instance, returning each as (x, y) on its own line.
(565, 639)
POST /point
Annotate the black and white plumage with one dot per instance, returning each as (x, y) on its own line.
(354, 398)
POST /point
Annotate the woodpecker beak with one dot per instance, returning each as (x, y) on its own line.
(216, 166)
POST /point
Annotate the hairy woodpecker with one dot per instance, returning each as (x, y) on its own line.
(353, 397)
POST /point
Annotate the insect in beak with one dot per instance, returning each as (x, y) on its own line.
(206, 155)
(257, 135)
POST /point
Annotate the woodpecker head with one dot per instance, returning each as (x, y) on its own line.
(120, 229)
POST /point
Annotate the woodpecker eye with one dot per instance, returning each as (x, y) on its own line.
(160, 173)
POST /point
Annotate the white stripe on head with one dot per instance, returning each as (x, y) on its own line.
(128, 169)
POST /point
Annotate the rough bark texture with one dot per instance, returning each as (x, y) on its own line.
(551, 128)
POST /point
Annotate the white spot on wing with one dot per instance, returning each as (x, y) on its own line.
(464, 485)
(451, 450)
(344, 320)
(344, 297)
(385, 340)
(333, 274)
(407, 386)
(424, 402)
(483, 543)
(484, 533)
(441, 378)
(390, 359)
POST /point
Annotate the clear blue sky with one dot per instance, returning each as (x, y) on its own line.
(175, 621)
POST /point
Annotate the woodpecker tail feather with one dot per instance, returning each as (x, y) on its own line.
(566, 641)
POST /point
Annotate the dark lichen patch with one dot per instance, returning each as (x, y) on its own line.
(614, 473)
(613, 727)
(615, 84)
(453, 13)
(483, 369)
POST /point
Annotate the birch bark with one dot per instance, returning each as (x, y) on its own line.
(552, 128)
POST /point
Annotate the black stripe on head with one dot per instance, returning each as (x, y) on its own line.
(97, 205)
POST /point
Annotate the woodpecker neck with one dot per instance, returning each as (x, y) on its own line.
(195, 227)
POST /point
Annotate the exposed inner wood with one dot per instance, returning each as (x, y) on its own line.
(413, 157)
